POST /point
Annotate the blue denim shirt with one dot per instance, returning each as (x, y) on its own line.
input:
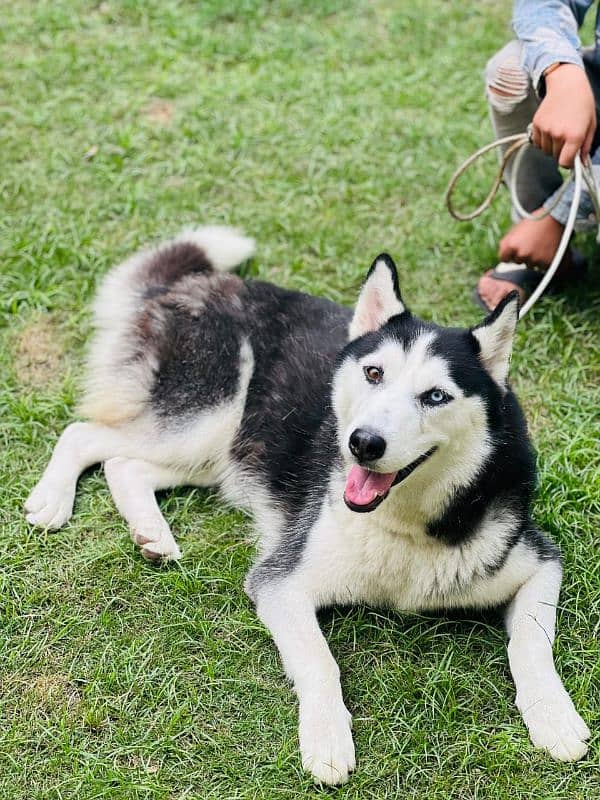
(549, 32)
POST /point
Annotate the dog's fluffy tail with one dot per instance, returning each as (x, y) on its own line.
(121, 363)
(194, 250)
(225, 248)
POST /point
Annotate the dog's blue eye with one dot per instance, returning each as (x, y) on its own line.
(373, 374)
(435, 397)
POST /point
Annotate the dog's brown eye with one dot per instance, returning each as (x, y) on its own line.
(373, 374)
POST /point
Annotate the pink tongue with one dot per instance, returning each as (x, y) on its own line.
(363, 486)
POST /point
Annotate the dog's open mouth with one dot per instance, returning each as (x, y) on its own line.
(366, 489)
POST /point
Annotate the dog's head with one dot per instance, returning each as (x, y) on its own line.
(413, 397)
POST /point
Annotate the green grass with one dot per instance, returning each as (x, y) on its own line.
(328, 131)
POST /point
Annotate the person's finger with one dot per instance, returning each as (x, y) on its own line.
(536, 136)
(557, 146)
(568, 153)
(546, 143)
(506, 249)
(586, 147)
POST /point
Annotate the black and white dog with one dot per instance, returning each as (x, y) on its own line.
(384, 459)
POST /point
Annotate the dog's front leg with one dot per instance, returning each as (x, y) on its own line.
(325, 724)
(547, 709)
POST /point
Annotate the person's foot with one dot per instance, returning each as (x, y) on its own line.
(509, 276)
(529, 243)
(496, 284)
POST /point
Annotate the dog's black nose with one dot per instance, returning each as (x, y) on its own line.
(366, 445)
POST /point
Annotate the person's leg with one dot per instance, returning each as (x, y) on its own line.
(512, 104)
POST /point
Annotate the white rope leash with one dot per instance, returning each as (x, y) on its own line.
(517, 144)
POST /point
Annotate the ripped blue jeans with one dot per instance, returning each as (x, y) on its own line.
(513, 102)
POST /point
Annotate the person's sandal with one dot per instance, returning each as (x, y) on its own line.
(527, 279)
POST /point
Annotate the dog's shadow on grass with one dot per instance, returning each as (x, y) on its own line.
(368, 625)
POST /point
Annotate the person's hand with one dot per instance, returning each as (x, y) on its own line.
(565, 121)
(532, 242)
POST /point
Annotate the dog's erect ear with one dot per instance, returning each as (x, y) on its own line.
(379, 298)
(495, 336)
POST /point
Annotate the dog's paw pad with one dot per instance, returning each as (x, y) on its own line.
(326, 744)
(556, 727)
(48, 507)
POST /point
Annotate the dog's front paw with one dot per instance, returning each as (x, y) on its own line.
(326, 741)
(49, 506)
(554, 725)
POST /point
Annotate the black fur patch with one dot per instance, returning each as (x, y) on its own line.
(170, 263)
(199, 362)
(318, 463)
(295, 339)
(540, 544)
(507, 479)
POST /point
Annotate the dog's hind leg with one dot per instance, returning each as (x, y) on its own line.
(81, 445)
(547, 709)
(133, 484)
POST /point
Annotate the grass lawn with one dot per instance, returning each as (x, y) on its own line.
(327, 130)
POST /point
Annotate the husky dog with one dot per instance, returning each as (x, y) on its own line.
(384, 459)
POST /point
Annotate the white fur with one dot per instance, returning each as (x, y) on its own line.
(325, 724)
(133, 484)
(81, 444)
(376, 302)
(242, 490)
(196, 453)
(495, 340)
(377, 559)
(224, 247)
(547, 709)
(115, 307)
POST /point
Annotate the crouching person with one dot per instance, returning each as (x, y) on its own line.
(545, 78)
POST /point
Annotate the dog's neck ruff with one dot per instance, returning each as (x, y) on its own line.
(366, 489)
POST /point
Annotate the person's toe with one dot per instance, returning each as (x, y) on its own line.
(492, 291)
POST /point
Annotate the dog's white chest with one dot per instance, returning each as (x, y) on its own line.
(351, 558)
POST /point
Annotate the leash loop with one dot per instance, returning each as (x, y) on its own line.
(581, 173)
